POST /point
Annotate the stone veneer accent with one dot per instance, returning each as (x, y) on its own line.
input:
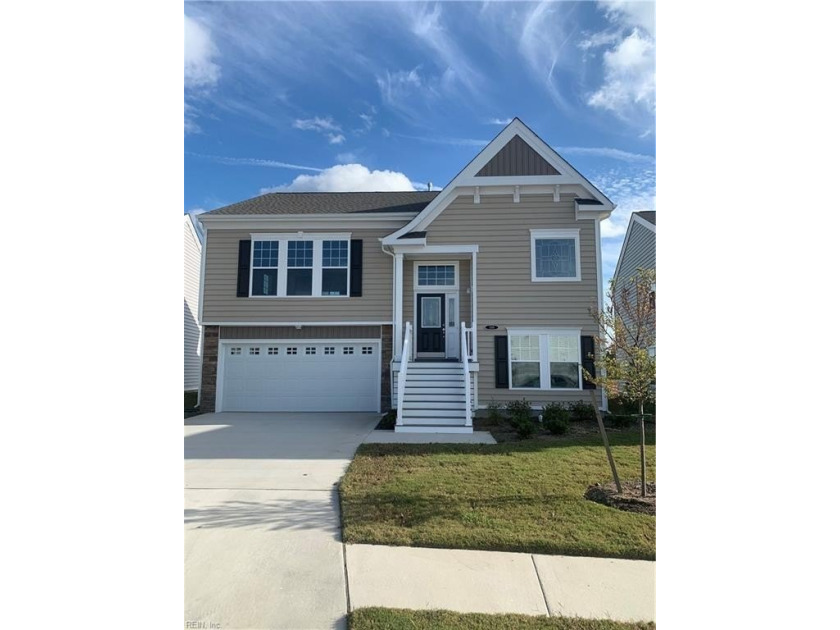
(387, 339)
(209, 363)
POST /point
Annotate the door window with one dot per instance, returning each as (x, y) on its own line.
(430, 312)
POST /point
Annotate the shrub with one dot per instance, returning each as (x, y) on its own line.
(519, 412)
(622, 420)
(494, 412)
(581, 411)
(555, 418)
(389, 421)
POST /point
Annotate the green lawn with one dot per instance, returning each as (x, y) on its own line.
(517, 496)
(398, 619)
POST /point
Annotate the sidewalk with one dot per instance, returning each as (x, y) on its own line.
(499, 582)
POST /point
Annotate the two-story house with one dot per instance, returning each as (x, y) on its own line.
(638, 252)
(433, 303)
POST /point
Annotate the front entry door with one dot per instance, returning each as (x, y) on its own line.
(431, 338)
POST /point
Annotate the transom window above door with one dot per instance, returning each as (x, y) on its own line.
(435, 275)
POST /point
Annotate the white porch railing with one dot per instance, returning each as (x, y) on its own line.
(471, 347)
(465, 364)
(404, 359)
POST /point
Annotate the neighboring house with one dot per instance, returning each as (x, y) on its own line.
(431, 303)
(192, 332)
(638, 251)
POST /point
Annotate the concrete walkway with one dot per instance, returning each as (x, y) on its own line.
(389, 437)
(497, 582)
(262, 544)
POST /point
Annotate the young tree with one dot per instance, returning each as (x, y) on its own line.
(625, 348)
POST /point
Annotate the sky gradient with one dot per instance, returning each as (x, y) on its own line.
(392, 96)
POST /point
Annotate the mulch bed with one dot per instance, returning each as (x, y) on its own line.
(630, 501)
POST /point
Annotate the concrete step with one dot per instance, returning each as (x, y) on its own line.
(433, 428)
(432, 420)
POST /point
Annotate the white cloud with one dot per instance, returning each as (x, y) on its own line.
(628, 89)
(367, 120)
(200, 69)
(316, 124)
(234, 161)
(607, 152)
(395, 86)
(504, 122)
(346, 158)
(201, 72)
(325, 126)
(346, 178)
(457, 70)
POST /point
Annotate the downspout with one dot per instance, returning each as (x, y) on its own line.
(393, 294)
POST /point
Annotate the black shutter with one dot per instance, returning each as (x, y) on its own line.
(355, 268)
(243, 279)
(501, 345)
(587, 359)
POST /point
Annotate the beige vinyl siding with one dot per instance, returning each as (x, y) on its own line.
(192, 336)
(222, 305)
(410, 297)
(306, 332)
(506, 295)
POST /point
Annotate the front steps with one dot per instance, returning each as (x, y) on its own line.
(434, 400)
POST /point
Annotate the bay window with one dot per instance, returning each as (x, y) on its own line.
(544, 359)
(295, 265)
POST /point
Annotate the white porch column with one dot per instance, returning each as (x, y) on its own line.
(473, 283)
(398, 305)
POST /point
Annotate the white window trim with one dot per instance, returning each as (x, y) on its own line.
(570, 233)
(435, 288)
(283, 261)
(545, 364)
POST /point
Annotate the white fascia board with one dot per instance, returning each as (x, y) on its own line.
(291, 236)
(645, 223)
(467, 176)
(411, 241)
(435, 249)
(193, 231)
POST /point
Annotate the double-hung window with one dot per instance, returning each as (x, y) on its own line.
(544, 359)
(294, 265)
(555, 255)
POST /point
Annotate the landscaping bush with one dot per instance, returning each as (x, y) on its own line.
(519, 412)
(494, 413)
(581, 411)
(555, 418)
(622, 420)
(388, 422)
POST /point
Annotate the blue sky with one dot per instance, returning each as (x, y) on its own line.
(389, 96)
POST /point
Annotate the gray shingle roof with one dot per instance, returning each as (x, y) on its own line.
(330, 203)
(648, 215)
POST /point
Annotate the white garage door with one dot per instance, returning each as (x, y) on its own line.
(299, 376)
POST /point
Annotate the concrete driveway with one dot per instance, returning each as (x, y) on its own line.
(263, 538)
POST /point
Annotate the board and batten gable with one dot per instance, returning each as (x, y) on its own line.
(220, 275)
(507, 297)
(192, 334)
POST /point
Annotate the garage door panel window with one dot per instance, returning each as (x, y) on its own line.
(545, 360)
